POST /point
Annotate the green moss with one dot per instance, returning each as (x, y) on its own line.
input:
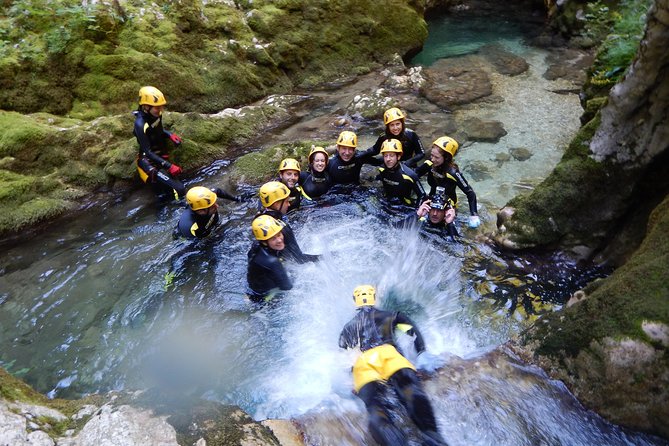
(635, 292)
(13, 389)
(259, 167)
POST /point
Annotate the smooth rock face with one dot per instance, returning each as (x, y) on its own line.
(124, 426)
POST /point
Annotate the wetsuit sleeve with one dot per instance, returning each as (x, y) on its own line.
(420, 150)
(467, 189)
(376, 148)
(423, 168)
(405, 324)
(293, 249)
(418, 187)
(347, 337)
(368, 157)
(282, 280)
(220, 193)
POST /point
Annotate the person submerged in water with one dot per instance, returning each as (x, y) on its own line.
(382, 367)
(394, 120)
(345, 165)
(265, 273)
(434, 215)
(289, 174)
(274, 199)
(201, 217)
(443, 172)
(399, 181)
(316, 181)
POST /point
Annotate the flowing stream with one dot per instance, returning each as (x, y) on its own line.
(108, 300)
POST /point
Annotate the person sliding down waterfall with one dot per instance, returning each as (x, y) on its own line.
(153, 163)
(382, 367)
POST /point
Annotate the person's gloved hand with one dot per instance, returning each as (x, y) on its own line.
(174, 170)
(427, 362)
(474, 221)
(176, 139)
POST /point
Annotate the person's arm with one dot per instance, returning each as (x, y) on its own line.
(294, 251)
(423, 168)
(368, 157)
(417, 186)
(406, 325)
(419, 150)
(281, 278)
(347, 338)
(220, 193)
(466, 189)
(376, 148)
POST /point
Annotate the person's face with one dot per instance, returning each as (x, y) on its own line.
(207, 211)
(437, 215)
(289, 177)
(345, 152)
(395, 127)
(318, 163)
(281, 206)
(276, 242)
(390, 159)
(437, 156)
(156, 110)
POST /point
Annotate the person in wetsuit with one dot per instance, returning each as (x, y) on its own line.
(153, 163)
(399, 181)
(345, 165)
(201, 217)
(265, 272)
(434, 215)
(381, 366)
(315, 181)
(274, 199)
(289, 174)
(394, 120)
(442, 171)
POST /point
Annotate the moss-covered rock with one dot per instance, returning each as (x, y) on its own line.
(88, 60)
(587, 343)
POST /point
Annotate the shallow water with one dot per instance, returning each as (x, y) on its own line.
(108, 300)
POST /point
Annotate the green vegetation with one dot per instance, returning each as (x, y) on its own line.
(620, 29)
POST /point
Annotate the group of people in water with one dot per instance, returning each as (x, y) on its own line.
(372, 330)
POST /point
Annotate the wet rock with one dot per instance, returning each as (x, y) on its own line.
(656, 331)
(520, 153)
(371, 106)
(478, 170)
(412, 80)
(451, 82)
(124, 426)
(569, 64)
(502, 158)
(504, 61)
(480, 130)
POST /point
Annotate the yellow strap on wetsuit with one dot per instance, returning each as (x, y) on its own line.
(378, 364)
(143, 175)
(404, 327)
(194, 228)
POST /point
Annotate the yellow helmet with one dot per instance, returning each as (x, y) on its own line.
(447, 144)
(314, 151)
(392, 145)
(392, 114)
(272, 192)
(348, 139)
(200, 197)
(265, 227)
(364, 295)
(151, 96)
(289, 164)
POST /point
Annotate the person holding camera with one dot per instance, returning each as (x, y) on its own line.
(434, 215)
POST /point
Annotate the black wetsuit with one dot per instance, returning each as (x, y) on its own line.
(412, 147)
(342, 172)
(372, 328)
(448, 178)
(265, 272)
(401, 182)
(292, 250)
(315, 184)
(153, 154)
(193, 225)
